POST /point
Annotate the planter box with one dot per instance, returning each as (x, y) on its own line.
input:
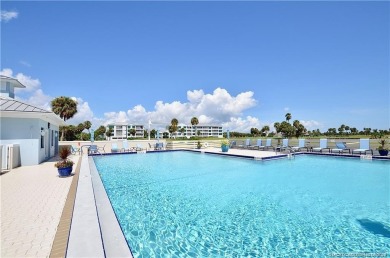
(62, 172)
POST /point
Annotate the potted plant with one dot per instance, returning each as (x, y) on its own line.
(199, 145)
(65, 165)
(225, 145)
(383, 150)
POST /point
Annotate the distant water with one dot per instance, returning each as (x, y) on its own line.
(181, 204)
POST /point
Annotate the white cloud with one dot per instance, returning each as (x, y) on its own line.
(311, 124)
(239, 124)
(8, 15)
(30, 83)
(216, 108)
(25, 63)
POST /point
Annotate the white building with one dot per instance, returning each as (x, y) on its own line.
(199, 130)
(124, 131)
(32, 131)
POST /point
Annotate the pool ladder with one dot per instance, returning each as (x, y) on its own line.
(291, 151)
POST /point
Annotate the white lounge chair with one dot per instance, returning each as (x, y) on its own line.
(323, 146)
(114, 147)
(268, 144)
(301, 145)
(364, 147)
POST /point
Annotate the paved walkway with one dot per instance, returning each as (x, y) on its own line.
(32, 200)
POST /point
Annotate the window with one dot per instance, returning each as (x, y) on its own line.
(52, 138)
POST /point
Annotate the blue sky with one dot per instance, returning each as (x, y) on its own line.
(239, 64)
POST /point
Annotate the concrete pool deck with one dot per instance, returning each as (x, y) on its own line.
(32, 201)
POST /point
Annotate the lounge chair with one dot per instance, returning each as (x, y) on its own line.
(233, 144)
(93, 149)
(323, 146)
(245, 144)
(125, 147)
(159, 146)
(268, 144)
(114, 147)
(102, 148)
(301, 145)
(340, 148)
(364, 147)
(75, 150)
(284, 145)
(139, 148)
(258, 145)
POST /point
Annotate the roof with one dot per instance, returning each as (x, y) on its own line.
(18, 109)
(14, 81)
(8, 104)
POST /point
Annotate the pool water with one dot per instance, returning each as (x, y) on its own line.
(184, 204)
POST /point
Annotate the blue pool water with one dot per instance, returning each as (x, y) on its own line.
(183, 204)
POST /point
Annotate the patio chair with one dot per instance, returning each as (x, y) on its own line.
(364, 147)
(102, 148)
(75, 150)
(93, 149)
(159, 146)
(301, 145)
(139, 148)
(114, 147)
(284, 145)
(233, 144)
(258, 145)
(340, 148)
(125, 147)
(323, 146)
(268, 144)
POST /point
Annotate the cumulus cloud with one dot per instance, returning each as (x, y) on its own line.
(216, 108)
(31, 84)
(8, 15)
(311, 124)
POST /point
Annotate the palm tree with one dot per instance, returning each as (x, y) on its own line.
(277, 127)
(174, 123)
(87, 125)
(265, 129)
(194, 121)
(288, 117)
(65, 107)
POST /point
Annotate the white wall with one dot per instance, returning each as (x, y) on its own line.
(27, 133)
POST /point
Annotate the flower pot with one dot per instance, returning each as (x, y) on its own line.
(225, 148)
(383, 152)
(65, 171)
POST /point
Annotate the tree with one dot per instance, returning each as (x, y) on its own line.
(255, 131)
(87, 125)
(132, 132)
(109, 132)
(173, 127)
(277, 127)
(288, 117)
(182, 130)
(65, 107)
(194, 121)
(265, 130)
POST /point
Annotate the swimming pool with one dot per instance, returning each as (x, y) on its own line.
(189, 204)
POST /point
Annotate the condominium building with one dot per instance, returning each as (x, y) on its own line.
(124, 131)
(199, 130)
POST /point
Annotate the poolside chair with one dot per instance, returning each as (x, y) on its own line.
(323, 146)
(233, 144)
(258, 145)
(340, 148)
(268, 144)
(159, 146)
(125, 147)
(364, 147)
(245, 144)
(301, 145)
(139, 148)
(75, 150)
(102, 148)
(93, 149)
(114, 147)
(284, 145)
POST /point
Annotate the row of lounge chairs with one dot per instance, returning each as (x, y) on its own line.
(341, 147)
